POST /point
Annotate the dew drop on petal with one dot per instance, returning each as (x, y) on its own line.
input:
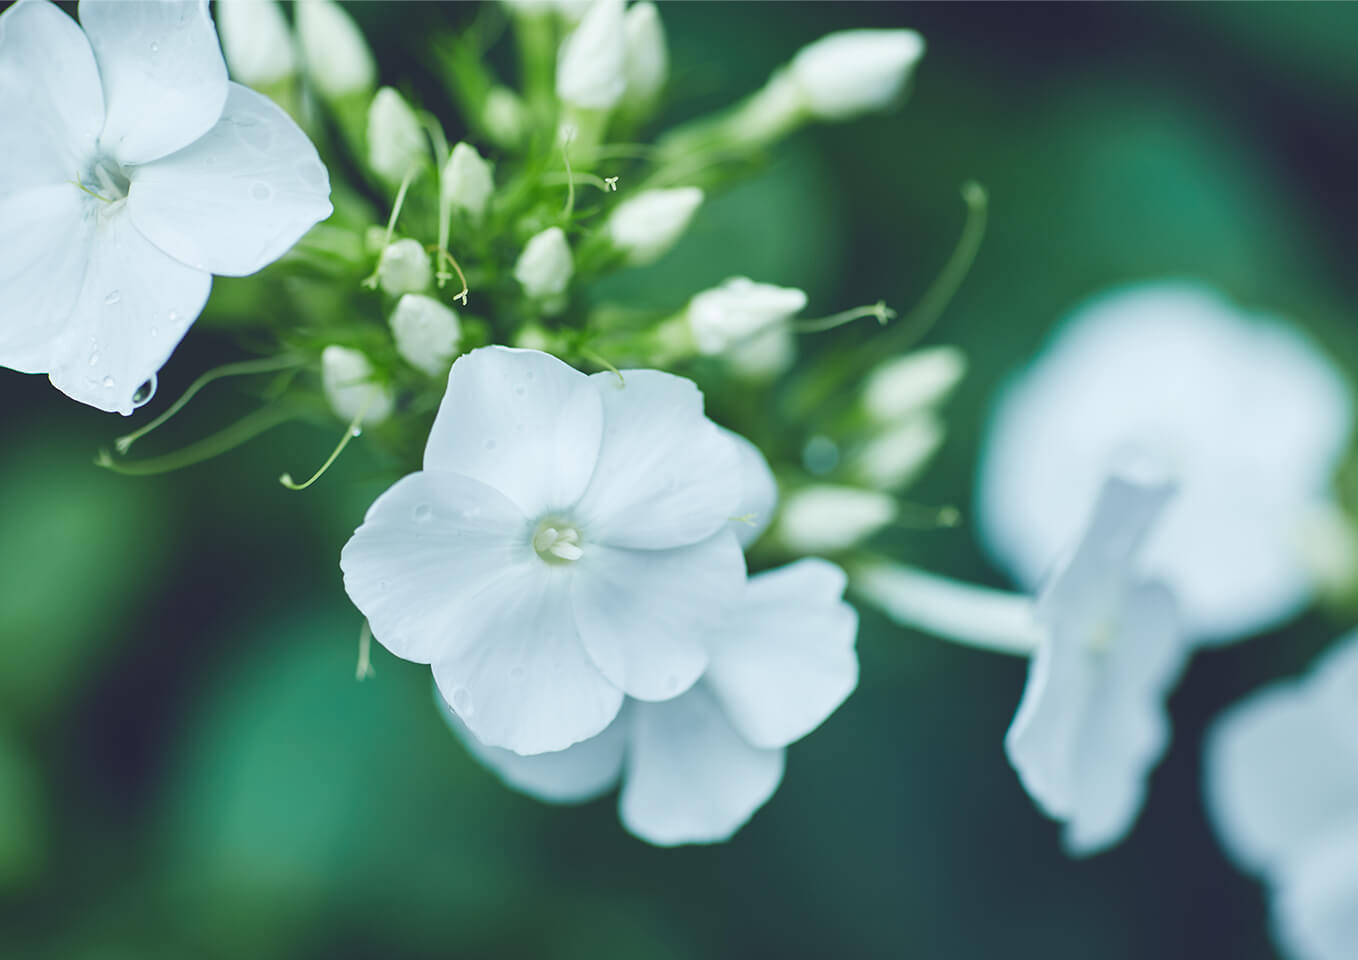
(108, 383)
(261, 191)
(113, 297)
(356, 432)
(155, 47)
(516, 673)
(312, 172)
(424, 513)
(94, 358)
(155, 331)
(145, 392)
(462, 702)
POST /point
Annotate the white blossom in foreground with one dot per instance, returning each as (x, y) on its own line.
(738, 310)
(694, 769)
(131, 170)
(590, 70)
(545, 267)
(427, 333)
(347, 378)
(256, 41)
(1250, 417)
(336, 56)
(1282, 788)
(644, 227)
(567, 543)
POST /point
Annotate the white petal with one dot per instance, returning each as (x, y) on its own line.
(758, 492)
(666, 475)
(51, 102)
(644, 615)
(134, 307)
(521, 422)
(784, 660)
(163, 73)
(525, 682)
(240, 196)
(426, 551)
(1315, 904)
(690, 776)
(44, 251)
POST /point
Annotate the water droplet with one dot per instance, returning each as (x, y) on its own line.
(145, 392)
(424, 513)
(113, 297)
(253, 133)
(462, 702)
(312, 172)
(155, 47)
(529, 375)
(490, 444)
(261, 192)
(519, 390)
(516, 673)
(155, 331)
(94, 358)
(356, 432)
(173, 316)
(108, 383)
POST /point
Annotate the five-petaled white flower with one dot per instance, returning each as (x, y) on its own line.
(695, 768)
(566, 544)
(131, 170)
(1282, 787)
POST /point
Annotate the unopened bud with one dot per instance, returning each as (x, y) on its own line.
(347, 377)
(590, 70)
(256, 41)
(905, 385)
(647, 61)
(828, 519)
(427, 333)
(645, 226)
(545, 267)
(737, 310)
(851, 72)
(396, 144)
(336, 56)
(467, 181)
(404, 268)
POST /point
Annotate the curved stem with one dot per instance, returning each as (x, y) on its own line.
(243, 430)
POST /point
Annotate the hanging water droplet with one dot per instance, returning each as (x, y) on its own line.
(108, 383)
(356, 431)
(144, 393)
(462, 702)
(424, 513)
(113, 297)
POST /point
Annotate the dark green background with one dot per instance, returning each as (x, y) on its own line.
(188, 769)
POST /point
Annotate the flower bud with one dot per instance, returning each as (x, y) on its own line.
(905, 385)
(851, 72)
(545, 267)
(427, 333)
(827, 519)
(467, 181)
(644, 227)
(256, 41)
(646, 59)
(737, 310)
(892, 460)
(396, 144)
(590, 68)
(347, 378)
(764, 356)
(337, 57)
(404, 268)
(503, 117)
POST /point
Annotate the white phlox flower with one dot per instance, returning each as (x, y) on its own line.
(1281, 781)
(694, 769)
(568, 542)
(738, 310)
(131, 170)
(1248, 414)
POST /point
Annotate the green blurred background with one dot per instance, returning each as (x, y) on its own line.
(188, 768)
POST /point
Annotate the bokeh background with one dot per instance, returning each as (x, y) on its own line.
(188, 768)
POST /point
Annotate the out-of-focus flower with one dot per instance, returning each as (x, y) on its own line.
(131, 170)
(396, 144)
(1282, 787)
(646, 58)
(336, 56)
(893, 459)
(256, 41)
(503, 117)
(404, 267)
(545, 267)
(347, 377)
(467, 181)
(763, 356)
(852, 72)
(644, 227)
(1251, 418)
(427, 333)
(567, 543)
(590, 70)
(904, 386)
(826, 519)
(694, 769)
(738, 310)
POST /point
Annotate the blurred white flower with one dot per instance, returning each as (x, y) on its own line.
(644, 227)
(894, 458)
(646, 58)
(905, 385)
(763, 356)
(131, 170)
(256, 41)
(427, 333)
(567, 543)
(1251, 417)
(336, 56)
(694, 769)
(396, 143)
(590, 69)
(347, 377)
(825, 518)
(851, 72)
(404, 267)
(1282, 788)
(504, 117)
(467, 181)
(738, 310)
(545, 266)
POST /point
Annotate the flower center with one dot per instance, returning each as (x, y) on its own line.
(557, 542)
(105, 180)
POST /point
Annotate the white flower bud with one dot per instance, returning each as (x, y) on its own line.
(851, 72)
(256, 41)
(467, 181)
(647, 60)
(764, 356)
(895, 458)
(504, 117)
(337, 57)
(737, 310)
(644, 227)
(427, 333)
(590, 68)
(545, 267)
(396, 144)
(346, 376)
(404, 268)
(906, 385)
(827, 519)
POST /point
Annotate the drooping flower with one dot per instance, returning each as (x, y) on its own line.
(695, 768)
(131, 170)
(1248, 414)
(566, 543)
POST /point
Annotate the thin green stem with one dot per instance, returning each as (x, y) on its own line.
(242, 431)
(352, 430)
(371, 281)
(879, 311)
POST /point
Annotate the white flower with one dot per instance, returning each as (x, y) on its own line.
(1250, 416)
(826, 519)
(427, 333)
(694, 769)
(1282, 787)
(644, 227)
(567, 543)
(763, 356)
(396, 143)
(851, 72)
(905, 385)
(590, 68)
(131, 170)
(347, 377)
(404, 268)
(467, 181)
(256, 41)
(646, 59)
(545, 267)
(893, 459)
(504, 117)
(337, 57)
(738, 310)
